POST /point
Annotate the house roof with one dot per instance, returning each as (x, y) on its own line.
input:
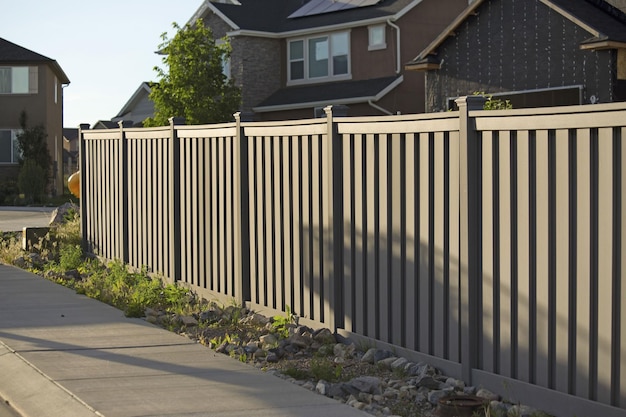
(319, 95)
(70, 133)
(272, 16)
(141, 92)
(605, 23)
(15, 54)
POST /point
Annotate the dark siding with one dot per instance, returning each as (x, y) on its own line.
(514, 46)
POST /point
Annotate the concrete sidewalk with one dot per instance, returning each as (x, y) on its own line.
(65, 355)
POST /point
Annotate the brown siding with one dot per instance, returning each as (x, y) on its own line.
(40, 109)
(513, 46)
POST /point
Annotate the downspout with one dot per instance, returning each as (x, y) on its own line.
(397, 28)
(398, 67)
(377, 107)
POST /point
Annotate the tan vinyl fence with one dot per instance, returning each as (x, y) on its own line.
(489, 243)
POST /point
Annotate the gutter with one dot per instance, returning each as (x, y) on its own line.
(397, 28)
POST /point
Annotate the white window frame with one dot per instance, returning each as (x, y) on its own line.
(373, 45)
(14, 151)
(307, 79)
(18, 73)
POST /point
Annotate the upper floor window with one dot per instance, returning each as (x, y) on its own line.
(14, 80)
(9, 152)
(376, 37)
(319, 58)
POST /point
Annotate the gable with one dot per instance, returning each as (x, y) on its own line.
(11, 53)
(600, 21)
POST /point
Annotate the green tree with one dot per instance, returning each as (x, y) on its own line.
(32, 144)
(194, 86)
(34, 159)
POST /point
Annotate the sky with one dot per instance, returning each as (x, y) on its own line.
(106, 47)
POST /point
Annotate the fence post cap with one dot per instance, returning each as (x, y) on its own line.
(475, 102)
(176, 120)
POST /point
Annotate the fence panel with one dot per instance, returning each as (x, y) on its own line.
(103, 193)
(208, 196)
(401, 231)
(288, 238)
(552, 244)
(149, 191)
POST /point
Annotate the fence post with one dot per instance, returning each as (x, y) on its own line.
(82, 164)
(242, 216)
(175, 200)
(123, 192)
(333, 210)
(470, 224)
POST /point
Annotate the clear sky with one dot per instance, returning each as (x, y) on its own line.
(105, 47)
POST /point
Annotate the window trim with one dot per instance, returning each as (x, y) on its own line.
(307, 79)
(27, 79)
(376, 46)
(14, 151)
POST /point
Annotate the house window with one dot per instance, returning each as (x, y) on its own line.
(9, 152)
(376, 37)
(13, 80)
(319, 58)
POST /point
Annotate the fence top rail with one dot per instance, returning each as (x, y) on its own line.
(287, 127)
(207, 131)
(101, 134)
(554, 121)
(550, 111)
(437, 122)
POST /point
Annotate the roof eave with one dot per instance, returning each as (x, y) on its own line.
(422, 66)
(323, 103)
(448, 31)
(602, 45)
(207, 6)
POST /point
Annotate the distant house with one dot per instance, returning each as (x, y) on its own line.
(532, 52)
(292, 58)
(70, 150)
(138, 108)
(32, 83)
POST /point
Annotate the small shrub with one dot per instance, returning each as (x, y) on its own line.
(71, 257)
(32, 181)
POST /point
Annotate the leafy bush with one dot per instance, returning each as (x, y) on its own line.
(32, 181)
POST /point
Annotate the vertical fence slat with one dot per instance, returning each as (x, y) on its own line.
(360, 262)
(562, 337)
(583, 265)
(439, 300)
(412, 243)
(349, 240)
(287, 243)
(505, 358)
(297, 248)
(425, 245)
(454, 250)
(542, 365)
(488, 310)
(397, 238)
(605, 264)
(384, 278)
(370, 231)
(279, 290)
(523, 257)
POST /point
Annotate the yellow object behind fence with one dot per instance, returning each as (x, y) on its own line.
(73, 183)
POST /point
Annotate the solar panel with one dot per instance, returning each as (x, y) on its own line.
(315, 7)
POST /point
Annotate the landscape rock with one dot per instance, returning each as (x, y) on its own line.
(59, 215)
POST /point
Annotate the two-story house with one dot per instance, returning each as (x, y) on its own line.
(535, 53)
(291, 58)
(32, 83)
